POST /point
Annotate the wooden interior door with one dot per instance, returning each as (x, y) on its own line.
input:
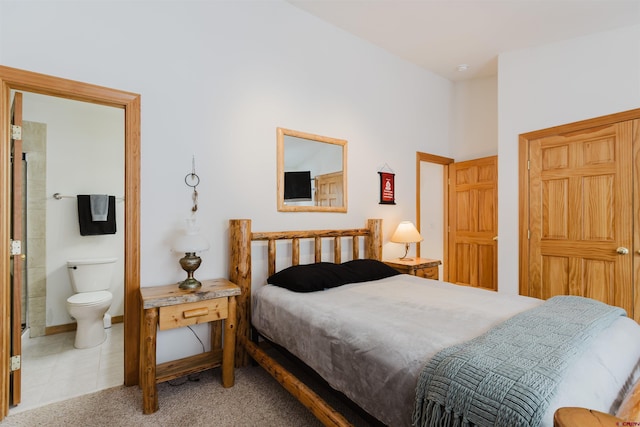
(329, 189)
(473, 223)
(580, 214)
(17, 258)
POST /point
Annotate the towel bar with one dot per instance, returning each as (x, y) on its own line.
(59, 196)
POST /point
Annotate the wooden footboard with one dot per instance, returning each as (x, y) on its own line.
(240, 240)
(314, 403)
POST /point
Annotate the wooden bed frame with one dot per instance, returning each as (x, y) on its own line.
(240, 241)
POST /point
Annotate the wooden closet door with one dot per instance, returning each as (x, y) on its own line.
(580, 218)
(473, 223)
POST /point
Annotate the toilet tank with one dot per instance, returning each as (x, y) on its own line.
(90, 274)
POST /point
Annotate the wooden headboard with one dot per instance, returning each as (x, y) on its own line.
(240, 242)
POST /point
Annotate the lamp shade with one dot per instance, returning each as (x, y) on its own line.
(406, 233)
(190, 240)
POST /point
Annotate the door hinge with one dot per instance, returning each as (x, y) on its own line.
(16, 132)
(528, 234)
(15, 363)
(16, 247)
(528, 164)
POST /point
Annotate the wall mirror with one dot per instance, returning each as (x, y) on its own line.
(312, 172)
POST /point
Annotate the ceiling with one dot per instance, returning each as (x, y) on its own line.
(440, 35)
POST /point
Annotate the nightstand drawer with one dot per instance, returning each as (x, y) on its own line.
(176, 316)
(428, 273)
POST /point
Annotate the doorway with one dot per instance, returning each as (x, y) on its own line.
(466, 219)
(20, 80)
(432, 206)
(75, 148)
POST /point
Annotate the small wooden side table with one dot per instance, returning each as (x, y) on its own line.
(421, 267)
(168, 307)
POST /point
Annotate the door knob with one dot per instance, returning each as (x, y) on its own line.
(622, 250)
(495, 238)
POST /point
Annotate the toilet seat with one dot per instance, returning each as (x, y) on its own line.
(87, 299)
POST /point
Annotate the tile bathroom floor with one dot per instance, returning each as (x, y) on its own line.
(53, 370)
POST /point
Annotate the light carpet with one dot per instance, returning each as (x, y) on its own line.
(256, 399)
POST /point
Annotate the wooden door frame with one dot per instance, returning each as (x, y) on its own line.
(445, 162)
(523, 178)
(15, 79)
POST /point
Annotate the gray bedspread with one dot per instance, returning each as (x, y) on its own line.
(371, 340)
(507, 377)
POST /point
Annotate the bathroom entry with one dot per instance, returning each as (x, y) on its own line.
(11, 80)
(75, 148)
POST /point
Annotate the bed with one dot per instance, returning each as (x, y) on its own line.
(374, 335)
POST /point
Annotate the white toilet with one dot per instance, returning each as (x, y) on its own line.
(90, 280)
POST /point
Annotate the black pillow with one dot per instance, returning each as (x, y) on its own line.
(324, 275)
(311, 277)
(369, 269)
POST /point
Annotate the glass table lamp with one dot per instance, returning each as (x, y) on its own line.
(190, 242)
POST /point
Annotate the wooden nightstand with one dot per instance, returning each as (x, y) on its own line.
(169, 307)
(421, 267)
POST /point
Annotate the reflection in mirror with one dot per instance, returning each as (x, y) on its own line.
(312, 172)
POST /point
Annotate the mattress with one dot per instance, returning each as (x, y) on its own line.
(371, 340)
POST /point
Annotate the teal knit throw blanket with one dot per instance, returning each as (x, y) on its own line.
(508, 376)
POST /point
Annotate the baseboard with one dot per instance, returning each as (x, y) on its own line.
(59, 329)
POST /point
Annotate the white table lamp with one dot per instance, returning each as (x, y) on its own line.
(406, 233)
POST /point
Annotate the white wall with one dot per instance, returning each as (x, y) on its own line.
(551, 85)
(474, 132)
(216, 79)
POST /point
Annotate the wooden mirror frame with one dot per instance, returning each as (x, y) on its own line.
(282, 207)
(21, 80)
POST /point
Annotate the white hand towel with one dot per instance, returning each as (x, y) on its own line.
(99, 206)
